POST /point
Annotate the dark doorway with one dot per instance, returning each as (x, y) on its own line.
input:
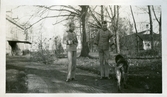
(14, 47)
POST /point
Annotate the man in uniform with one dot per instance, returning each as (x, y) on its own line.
(102, 41)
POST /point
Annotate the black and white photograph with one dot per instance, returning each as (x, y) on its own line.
(90, 48)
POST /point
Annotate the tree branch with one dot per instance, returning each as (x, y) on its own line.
(94, 25)
(108, 13)
(111, 10)
(60, 21)
(155, 14)
(70, 7)
(46, 18)
(94, 17)
(66, 10)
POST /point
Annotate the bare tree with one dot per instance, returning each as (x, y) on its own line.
(66, 12)
(135, 29)
(117, 34)
(159, 22)
(117, 25)
(97, 23)
(85, 48)
(114, 17)
(43, 13)
(102, 13)
(151, 27)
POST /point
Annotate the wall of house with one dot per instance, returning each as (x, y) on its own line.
(146, 45)
(128, 43)
(157, 45)
(15, 33)
(8, 49)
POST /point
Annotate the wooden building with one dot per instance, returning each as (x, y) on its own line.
(144, 41)
(17, 38)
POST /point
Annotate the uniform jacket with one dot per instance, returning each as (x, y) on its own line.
(70, 36)
(102, 39)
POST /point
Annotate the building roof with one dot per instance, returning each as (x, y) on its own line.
(14, 22)
(145, 35)
(20, 41)
(145, 32)
(11, 20)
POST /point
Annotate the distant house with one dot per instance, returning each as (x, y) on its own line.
(17, 40)
(144, 40)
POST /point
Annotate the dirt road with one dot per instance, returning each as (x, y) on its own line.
(51, 79)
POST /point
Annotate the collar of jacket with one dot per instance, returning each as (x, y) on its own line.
(70, 31)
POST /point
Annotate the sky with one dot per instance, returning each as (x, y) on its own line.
(23, 11)
(141, 17)
(50, 31)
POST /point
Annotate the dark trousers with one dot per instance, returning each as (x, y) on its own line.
(104, 66)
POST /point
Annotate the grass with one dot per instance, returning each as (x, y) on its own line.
(143, 73)
(16, 81)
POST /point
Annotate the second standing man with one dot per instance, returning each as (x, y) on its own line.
(102, 42)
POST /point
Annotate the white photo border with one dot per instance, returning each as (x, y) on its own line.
(3, 3)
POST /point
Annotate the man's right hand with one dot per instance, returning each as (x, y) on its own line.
(69, 42)
(95, 44)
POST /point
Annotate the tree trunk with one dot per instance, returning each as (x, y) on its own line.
(135, 29)
(159, 22)
(151, 28)
(160, 39)
(102, 13)
(85, 48)
(117, 34)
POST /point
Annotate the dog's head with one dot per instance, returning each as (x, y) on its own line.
(118, 57)
(121, 61)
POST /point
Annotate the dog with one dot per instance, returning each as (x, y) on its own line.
(121, 70)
